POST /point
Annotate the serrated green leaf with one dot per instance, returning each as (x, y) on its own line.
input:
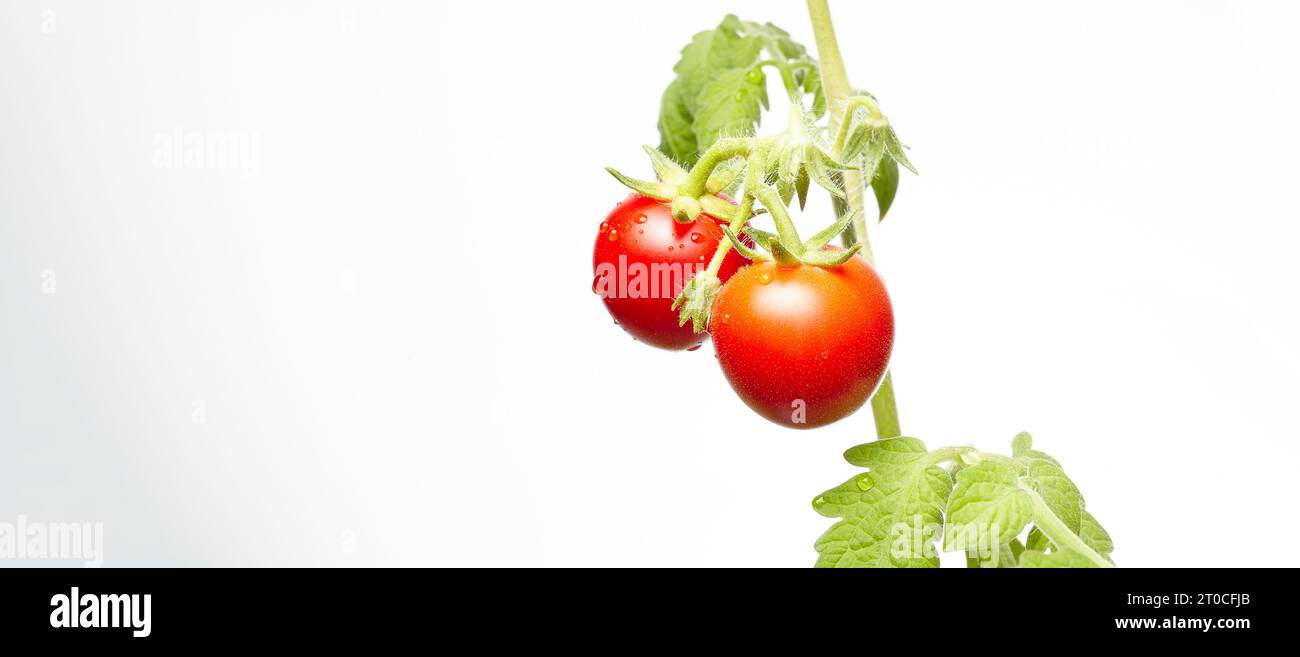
(1095, 536)
(707, 98)
(987, 507)
(891, 515)
(1046, 477)
(729, 105)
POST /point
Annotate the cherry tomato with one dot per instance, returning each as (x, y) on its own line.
(643, 258)
(804, 346)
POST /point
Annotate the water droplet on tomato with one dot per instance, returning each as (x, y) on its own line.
(765, 278)
(641, 219)
(640, 231)
(726, 317)
(694, 348)
(613, 235)
(670, 249)
(616, 322)
(701, 257)
(695, 237)
(681, 246)
(604, 227)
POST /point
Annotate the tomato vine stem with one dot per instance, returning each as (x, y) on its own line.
(835, 84)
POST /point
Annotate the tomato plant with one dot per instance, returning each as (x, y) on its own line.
(804, 334)
(642, 260)
(804, 346)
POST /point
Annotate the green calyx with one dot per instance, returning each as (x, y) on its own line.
(786, 247)
(671, 180)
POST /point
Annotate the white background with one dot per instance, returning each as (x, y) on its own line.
(389, 327)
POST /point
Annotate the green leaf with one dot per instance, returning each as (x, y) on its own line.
(1063, 559)
(719, 88)
(986, 508)
(676, 136)
(891, 515)
(1007, 556)
(1037, 541)
(991, 501)
(1095, 536)
(885, 185)
(1046, 477)
(729, 105)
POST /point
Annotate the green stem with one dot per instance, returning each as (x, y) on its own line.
(1055, 529)
(721, 151)
(753, 177)
(885, 409)
(785, 230)
(835, 83)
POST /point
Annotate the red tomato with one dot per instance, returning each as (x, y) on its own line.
(804, 346)
(643, 258)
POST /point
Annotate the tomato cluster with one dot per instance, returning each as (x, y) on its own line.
(802, 345)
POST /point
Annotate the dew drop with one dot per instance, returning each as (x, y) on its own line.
(604, 227)
(701, 257)
(670, 249)
(865, 482)
(765, 278)
(613, 235)
(696, 347)
(681, 246)
(695, 237)
(726, 317)
(641, 219)
(640, 231)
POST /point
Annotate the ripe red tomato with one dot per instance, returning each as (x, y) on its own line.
(643, 258)
(804, 346)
